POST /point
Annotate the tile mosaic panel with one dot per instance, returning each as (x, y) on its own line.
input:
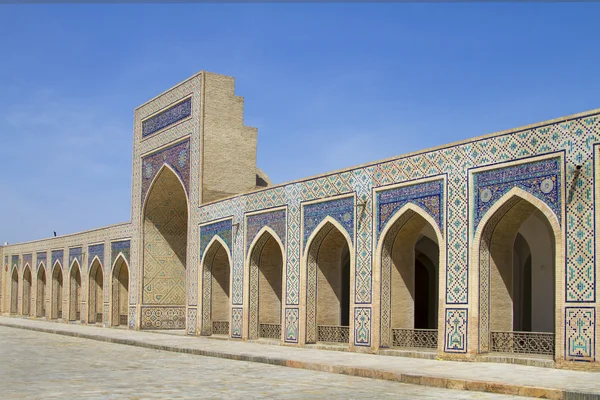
(223, 229)
(57, 255)
(455, 336)
(237, 318)
(96, 250)
(362, 326)
(274, 220)
(191, 321)
(75, 254)
(122, 246)
(428, 195)
(15, 261)
(168, 117)
(580, 333)
(292, 325)
(541, 178)
(41, 258)
(28, 259)
(163, 318)
(342, 210)
(176, 156)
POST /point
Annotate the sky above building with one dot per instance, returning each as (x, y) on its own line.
(328, 86)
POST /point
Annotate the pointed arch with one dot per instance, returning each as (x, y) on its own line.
(266, 262)
(27, 284)
(506, 216)
(75, 291)
(162, 168)
(95, 291)
(14, 291)
(40, 308)
(398, 267)
(215, 270)
(319, 227)
(120, 291)
(56, 302)
(321, 262)
(165, 222)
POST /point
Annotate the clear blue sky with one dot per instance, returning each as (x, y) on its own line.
(327, 85)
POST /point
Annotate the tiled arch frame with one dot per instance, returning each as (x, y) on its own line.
(40, 303)
(253, 262)
(206, 264)
(113, 304)
(70, 290)
(383, 265)
(310, 257)
(26, 267)
(480, 264)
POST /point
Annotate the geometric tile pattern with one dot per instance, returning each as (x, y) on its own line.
(428, 196)
(168, 117)
(580, 333)
(163, 318)
(574, 137)
(541, 179)
(455, 336)
(292, 325)
(122, 246)
(75, 254)
(176, 156)
(207, 232)
(362, 326)
(342, 210)
(237, 317)
(27, 259)
(57, 255)
(41, 258)
(96, 250)
(274, 220)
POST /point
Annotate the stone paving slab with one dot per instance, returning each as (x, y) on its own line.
(483, 377)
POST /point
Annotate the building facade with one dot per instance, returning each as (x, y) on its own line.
(479, 248)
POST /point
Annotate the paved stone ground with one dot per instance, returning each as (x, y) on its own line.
(35, 365)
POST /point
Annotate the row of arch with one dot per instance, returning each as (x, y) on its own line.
(514, 258)
(50, 285)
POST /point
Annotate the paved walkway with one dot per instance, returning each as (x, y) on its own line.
(483, 377)
(37, 365)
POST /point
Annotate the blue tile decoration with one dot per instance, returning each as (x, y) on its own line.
(122, 246)
(292, 325)
(237, 320)
(541, 179)
(28, 260)
(76, 253)
(95, 250)
(41, 258)
(427, 195)
(274, 220)
(223, 229)
(168, 117)
(580, 334)
(342, 210)
(57, 255)
(176, 156)
(455, 336)
(15, 261)
(362, 326)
